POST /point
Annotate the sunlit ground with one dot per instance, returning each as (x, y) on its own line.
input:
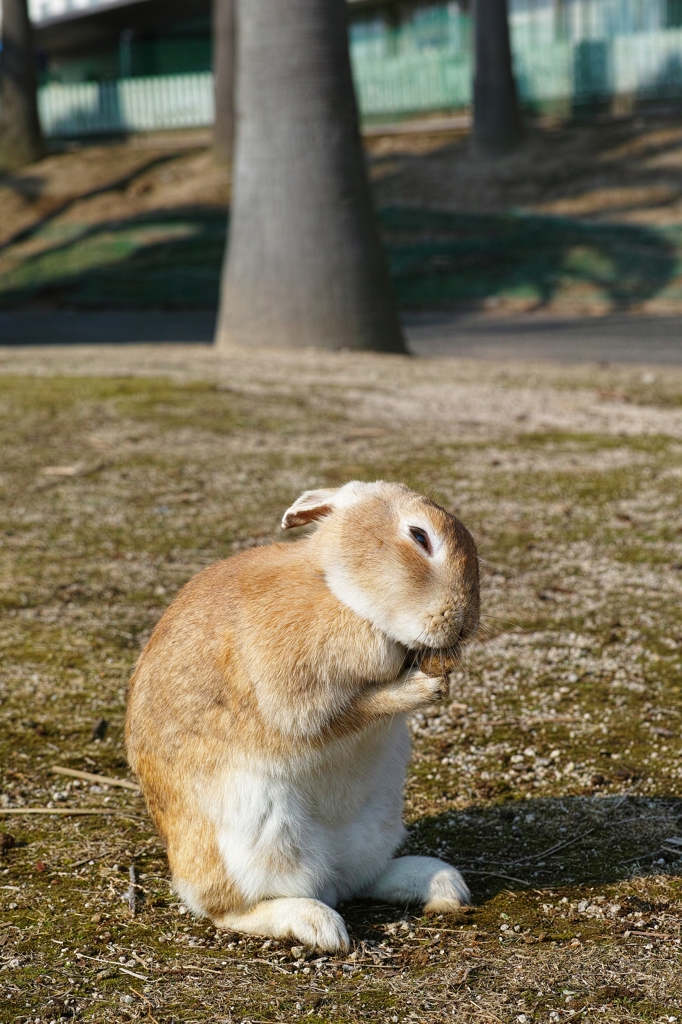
(552, 779)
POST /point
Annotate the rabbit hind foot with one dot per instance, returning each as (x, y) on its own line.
(427, 880)
(310, 921)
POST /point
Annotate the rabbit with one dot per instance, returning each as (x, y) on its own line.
(266, 718)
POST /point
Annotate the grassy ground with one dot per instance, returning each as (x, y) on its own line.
(552, 778)
(583, 219)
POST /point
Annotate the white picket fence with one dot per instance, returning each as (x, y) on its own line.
(129, 105)
(647, 66)
(641, 66)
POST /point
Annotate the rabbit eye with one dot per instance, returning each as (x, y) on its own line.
(421, 537)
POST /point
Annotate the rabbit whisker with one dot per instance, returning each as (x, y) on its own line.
(516, 626)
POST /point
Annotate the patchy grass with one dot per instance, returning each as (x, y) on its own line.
(582, 219)
(442, 259)
(552, 778)
(172, 258)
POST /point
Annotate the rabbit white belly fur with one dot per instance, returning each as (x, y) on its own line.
(325, 830)
(294, 844)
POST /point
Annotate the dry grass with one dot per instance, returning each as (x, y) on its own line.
(552, 778)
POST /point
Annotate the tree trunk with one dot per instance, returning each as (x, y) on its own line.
(497, 121)
(305, 265)
(224, 27)
(21, 140)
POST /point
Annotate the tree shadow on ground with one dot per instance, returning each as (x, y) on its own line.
(31, 186)
(597, 166)
(166, 258)
(171, 258)
(447, 259)
(546, 844)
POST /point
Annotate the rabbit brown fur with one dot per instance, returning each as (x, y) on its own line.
(266, 717)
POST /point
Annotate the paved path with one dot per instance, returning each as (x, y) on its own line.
(612, 339)
(78, 328)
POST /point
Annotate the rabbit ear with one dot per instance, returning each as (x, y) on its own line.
(310, 506)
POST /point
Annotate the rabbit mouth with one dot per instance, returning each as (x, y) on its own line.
(438, 661)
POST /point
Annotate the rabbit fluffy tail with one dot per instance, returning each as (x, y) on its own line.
(310, 921)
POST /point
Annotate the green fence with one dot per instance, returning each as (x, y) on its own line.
(411, 82)
(128, 105)
(562, 62)
(566, 75)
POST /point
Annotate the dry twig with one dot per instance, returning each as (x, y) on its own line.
(130, 895)
(105, 780)
(62, 810)
(496, 874)
(112, 963)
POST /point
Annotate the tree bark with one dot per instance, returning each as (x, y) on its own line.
(497, 120)
(224, 28)
(305, 265)
(21, 140)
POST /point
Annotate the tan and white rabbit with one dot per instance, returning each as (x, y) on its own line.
(266, 717)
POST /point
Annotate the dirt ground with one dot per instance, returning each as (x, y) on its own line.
(627, 169)
(551, 778)
(584, 218)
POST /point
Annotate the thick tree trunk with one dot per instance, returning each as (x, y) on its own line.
(497, 121)
(305, 266)
(224, 27)
(21, 140)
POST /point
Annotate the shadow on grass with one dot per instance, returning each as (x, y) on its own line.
(536, 846)
(553, 842)
(171, 259)
(167, 258)
(31, 186)
(445, 259)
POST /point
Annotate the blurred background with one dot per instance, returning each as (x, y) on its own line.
(140, 65)
(128, 209)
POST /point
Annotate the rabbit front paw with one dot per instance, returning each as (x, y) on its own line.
(426, 689)
(291, 917)
(317, 925)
